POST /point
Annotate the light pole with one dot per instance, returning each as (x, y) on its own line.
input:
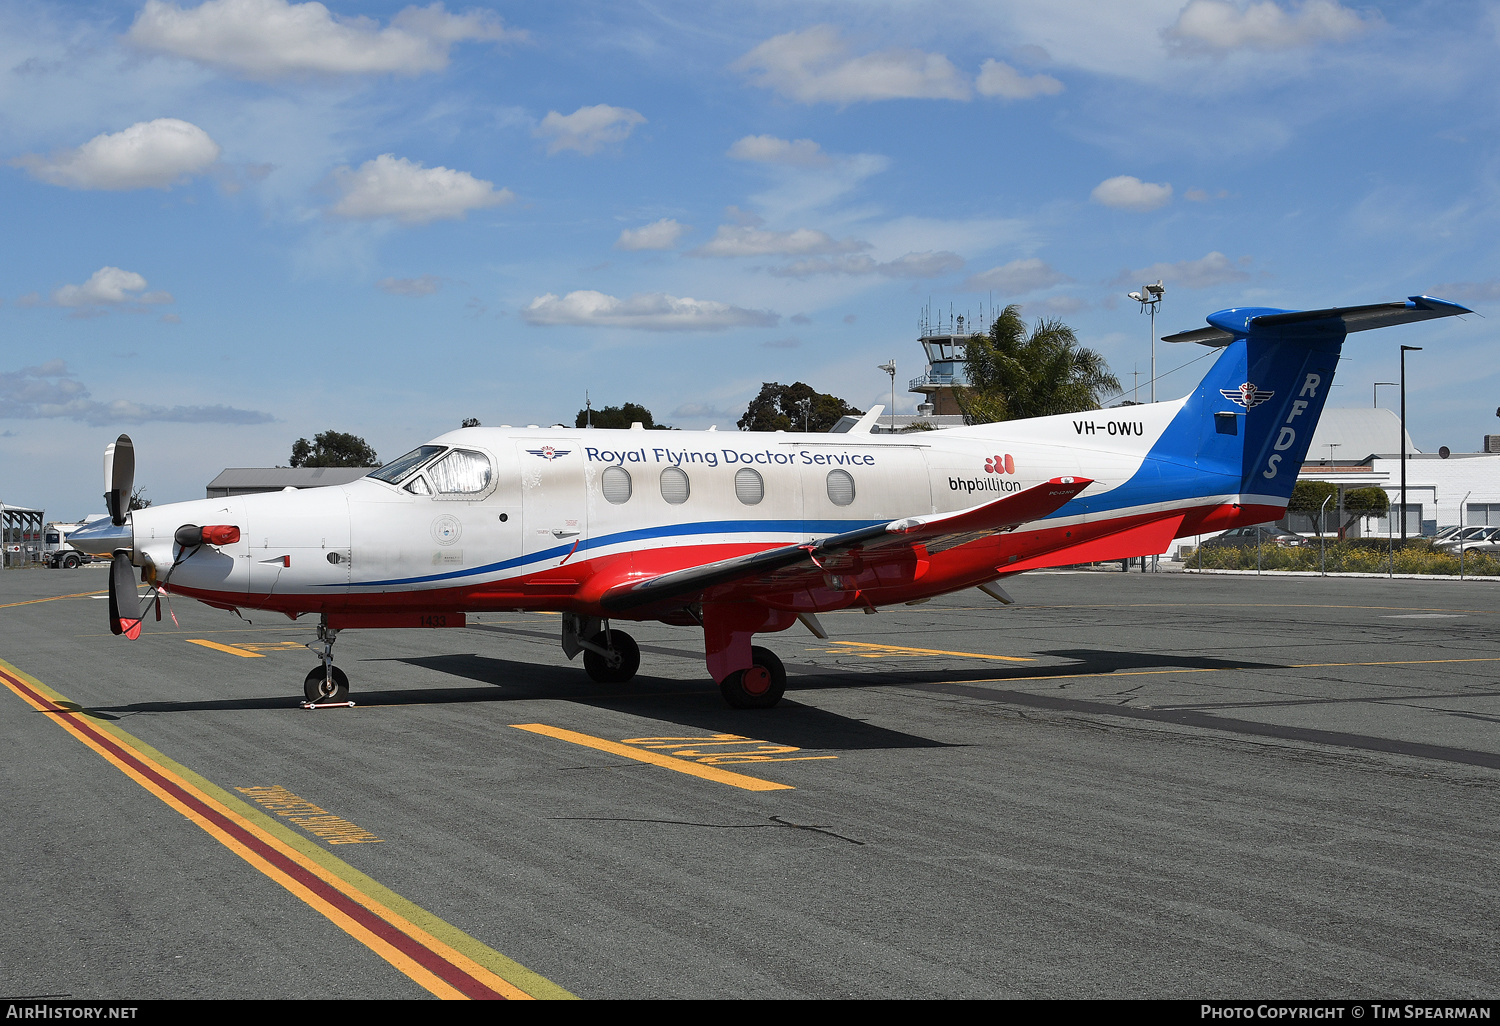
(1404, 351)
(1150, 298)
(890, 368)
(1375, 398)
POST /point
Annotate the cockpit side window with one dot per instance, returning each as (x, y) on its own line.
(399, 470)
(461, 472)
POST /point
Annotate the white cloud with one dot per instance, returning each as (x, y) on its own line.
(426, 285)
(747, 240)
(147, 155)
(1126, 192)
(1469, 291)
(997, 78)
(912, 265)
(661, 234)
(1062, 304)
(1016, 278)
(588, 129)
(1216, 25)
(108, 286)
(389, 186)
(52, 391)
(814, 66)
(650, 311)
(269, 38)
(767, 149)
(1205, 272)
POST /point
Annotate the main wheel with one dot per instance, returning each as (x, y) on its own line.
(627, 658)
(759, 687)
(316, 686)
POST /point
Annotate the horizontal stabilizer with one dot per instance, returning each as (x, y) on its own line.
(1235, 323)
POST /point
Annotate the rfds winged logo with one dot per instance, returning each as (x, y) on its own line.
(546, 452)
(1247, 395)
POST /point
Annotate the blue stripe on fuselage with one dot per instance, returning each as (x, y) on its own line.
(799, 528)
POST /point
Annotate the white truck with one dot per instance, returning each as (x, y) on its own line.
(57, 553)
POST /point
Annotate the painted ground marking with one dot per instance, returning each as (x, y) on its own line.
(321, 823)
(441, 958)
(870, 650)
(691, 768)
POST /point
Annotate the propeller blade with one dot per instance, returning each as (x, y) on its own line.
(119, 477)
(124, 602)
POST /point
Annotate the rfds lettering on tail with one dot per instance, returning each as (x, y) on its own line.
(746, 538)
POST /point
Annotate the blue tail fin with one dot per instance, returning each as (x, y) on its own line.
(1246, 429)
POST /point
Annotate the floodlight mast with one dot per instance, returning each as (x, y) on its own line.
(890, 368)
(1150, 298)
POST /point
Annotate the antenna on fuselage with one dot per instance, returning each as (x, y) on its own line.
(588, 410)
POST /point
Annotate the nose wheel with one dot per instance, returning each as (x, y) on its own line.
(320, 685)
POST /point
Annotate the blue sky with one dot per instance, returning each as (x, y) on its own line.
(234, 223)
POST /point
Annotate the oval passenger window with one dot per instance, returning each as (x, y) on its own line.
(615, 483)
(675, 487)
(748, 486)
(840, 487)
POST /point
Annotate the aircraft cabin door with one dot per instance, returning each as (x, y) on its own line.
(554, 497)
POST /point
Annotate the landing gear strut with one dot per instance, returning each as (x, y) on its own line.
(325, 683)
(609, 656)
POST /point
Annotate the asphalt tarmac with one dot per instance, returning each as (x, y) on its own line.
(1125, 785)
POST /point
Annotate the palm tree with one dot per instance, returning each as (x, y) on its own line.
(1013, 374)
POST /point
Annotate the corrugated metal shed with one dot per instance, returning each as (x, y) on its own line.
(244, 480)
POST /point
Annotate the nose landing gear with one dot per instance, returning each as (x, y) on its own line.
(325, 684)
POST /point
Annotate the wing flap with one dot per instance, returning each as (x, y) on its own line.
(1142, 540)
(895, 541)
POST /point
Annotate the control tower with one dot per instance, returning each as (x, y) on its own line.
(947, 368)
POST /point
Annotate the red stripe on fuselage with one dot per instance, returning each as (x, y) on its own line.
(577, 587)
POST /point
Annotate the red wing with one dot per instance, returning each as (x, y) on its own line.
(786, 566)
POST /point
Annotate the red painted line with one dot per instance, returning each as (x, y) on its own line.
(419, 953)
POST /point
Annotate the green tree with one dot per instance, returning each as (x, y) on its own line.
(794, 407)
(333, 449)
(1364, 502)
(620, 417)
(1014, 374)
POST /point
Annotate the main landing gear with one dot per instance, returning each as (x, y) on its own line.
(749, 677)
(325, 684)
(609, 656)
(759, 687)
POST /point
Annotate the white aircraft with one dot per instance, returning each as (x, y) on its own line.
(742, 534)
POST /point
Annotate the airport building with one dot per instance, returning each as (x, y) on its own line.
(20, 535)
(245, 480)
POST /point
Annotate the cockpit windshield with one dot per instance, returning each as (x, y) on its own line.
(399, 470)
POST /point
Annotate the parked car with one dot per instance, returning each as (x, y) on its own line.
(1242, 537)
(1473, 539)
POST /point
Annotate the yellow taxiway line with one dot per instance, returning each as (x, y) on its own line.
(441, 958)
(1217, 669)
(877, 650)
(54, 598)
(692, 769)
(232, 650)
